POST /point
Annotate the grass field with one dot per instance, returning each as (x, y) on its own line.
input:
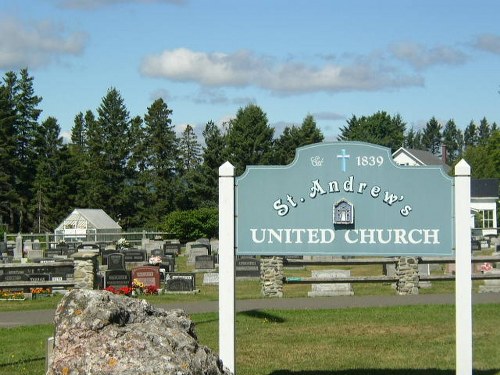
(414, 340)
(395, 340)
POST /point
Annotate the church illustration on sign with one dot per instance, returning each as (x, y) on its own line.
(343, 213)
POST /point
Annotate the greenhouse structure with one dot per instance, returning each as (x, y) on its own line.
(88, 225)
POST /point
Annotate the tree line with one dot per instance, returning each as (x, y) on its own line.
(141, 172)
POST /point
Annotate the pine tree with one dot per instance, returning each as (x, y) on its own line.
(453, 140)
(294, 137)
(250, 138)
(471, 135)
(160, 160)
(189, 149)
(431, 136)
(47, 182)
(9, 197)
(380, 129)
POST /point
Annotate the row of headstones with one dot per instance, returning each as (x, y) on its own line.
(150, 276)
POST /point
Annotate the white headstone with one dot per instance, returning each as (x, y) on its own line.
(331, 289)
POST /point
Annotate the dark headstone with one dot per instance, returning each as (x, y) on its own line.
(39, 277)
(148, 275)
(180, 282)
(204, 262)
(116, 261)
(89, 247)
(117, 279)
(167, 264)
(3, 248)
(105, 254)
(14, 277)
(157, 252)
(135, 255)
(172, 249)
(53, 251)
(247, 267)
(476, 245)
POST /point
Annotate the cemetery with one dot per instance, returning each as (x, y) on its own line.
(272, 260)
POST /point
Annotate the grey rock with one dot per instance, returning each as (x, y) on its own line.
(98, 332)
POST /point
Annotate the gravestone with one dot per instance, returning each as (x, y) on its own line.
(167, 264)
(88, 247)
(18, 250)
(247, 267)
(106, 253)
(180, 282)
(331, 289)
(116, 261)
(36, 251)
(157, 252)
(148, 275)
(204, 262)
(197, 249)
(53, 251)
(3, 248)
(134, 255)
(39, 277)
(211, 278)
(117, 279)
(171, 249)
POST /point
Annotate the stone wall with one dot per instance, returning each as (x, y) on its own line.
(408, 278)
(271, 276)
(86, 268)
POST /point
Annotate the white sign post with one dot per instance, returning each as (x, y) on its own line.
(463, 277)
(227, 336)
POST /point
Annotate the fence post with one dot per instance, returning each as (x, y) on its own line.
(463, 273)
(227, 338)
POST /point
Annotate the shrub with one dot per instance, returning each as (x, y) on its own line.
(193, 224)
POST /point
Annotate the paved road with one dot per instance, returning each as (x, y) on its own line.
(19, 318)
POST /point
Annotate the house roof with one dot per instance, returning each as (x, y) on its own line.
(484, 188)
(97, 218)
(421, 157)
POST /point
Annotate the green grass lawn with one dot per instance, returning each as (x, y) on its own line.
(393, 340)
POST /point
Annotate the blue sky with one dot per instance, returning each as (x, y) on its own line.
(332, 59)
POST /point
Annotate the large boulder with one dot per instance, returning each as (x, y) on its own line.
(98, 332)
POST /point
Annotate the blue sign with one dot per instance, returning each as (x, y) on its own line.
(344, 198)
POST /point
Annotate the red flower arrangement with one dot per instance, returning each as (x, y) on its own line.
(124, 290)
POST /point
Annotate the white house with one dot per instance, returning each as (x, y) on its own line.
(484, 192)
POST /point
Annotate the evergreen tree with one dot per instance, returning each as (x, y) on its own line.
(294, 137)
(413, 140)
(108, 141)
(189, 149)
(160, 160)
(46, 203)
(453, 140)
(484, 159)
(431, 136)
(25, 102)
(380, 129)
(471, 135)
(9, 197)
(249, 139)
(484, 131)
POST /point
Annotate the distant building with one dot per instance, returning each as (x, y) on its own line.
(88, 225)
(484, 192)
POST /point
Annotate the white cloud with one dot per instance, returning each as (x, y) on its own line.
(421, 57)
(243, 68)
(35, 44)
(488, 42)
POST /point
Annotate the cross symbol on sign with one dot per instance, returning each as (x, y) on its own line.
(343, 156)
